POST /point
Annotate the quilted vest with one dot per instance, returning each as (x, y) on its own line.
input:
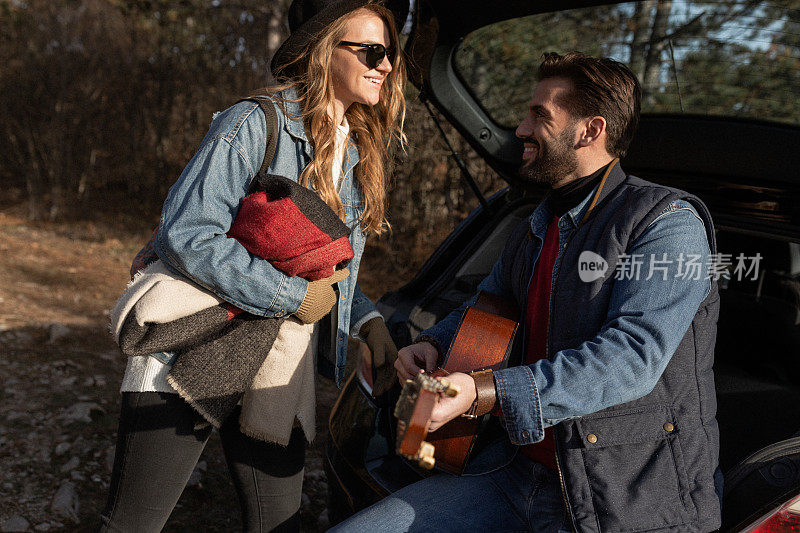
(649, 463)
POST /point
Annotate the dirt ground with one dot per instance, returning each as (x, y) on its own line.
(60, 374)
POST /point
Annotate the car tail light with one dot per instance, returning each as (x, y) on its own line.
(783, 519)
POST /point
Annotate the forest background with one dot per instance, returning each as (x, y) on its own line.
(102, 103)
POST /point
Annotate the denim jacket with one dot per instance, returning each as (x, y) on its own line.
(202, 204)
(658, 310)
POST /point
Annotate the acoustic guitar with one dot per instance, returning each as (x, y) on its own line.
(483, 341)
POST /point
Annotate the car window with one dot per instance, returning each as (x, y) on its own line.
(734, 58)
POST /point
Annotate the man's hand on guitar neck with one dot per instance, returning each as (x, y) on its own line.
(411, 358)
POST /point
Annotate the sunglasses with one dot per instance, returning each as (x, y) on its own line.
(375, 52)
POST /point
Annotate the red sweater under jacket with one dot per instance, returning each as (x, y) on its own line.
(538, 316)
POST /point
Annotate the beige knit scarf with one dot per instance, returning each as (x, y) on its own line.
(283, 388)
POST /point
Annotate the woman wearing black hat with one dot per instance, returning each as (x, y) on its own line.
(339, 107)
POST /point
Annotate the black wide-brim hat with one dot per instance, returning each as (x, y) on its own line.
(309, 18)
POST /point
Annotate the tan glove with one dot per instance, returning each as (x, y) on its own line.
(320, 297)
(384, 353)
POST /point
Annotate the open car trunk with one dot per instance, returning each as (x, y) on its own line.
(756, 363)
(741, 161)
(743, 166)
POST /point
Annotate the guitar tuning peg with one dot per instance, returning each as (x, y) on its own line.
(426, 459)
(449, 389)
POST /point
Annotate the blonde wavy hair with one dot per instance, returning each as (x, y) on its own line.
(374, 128)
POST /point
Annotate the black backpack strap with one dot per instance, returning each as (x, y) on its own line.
(268, 108)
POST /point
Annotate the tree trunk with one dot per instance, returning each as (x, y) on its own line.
(642, 25)
(652, 64)
(276, 32)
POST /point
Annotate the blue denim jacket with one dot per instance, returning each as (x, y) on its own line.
(646, 321)
(203, 203)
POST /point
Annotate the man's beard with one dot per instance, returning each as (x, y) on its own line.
(553, 161)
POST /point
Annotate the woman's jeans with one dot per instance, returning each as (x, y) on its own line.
(159, 442)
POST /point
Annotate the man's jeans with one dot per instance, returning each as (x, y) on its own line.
(522, 496)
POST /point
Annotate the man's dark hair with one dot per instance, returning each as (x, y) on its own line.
(601, 87)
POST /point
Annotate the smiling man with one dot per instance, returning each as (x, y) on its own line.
(608, 403)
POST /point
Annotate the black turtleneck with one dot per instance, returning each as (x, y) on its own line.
(568, 196)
